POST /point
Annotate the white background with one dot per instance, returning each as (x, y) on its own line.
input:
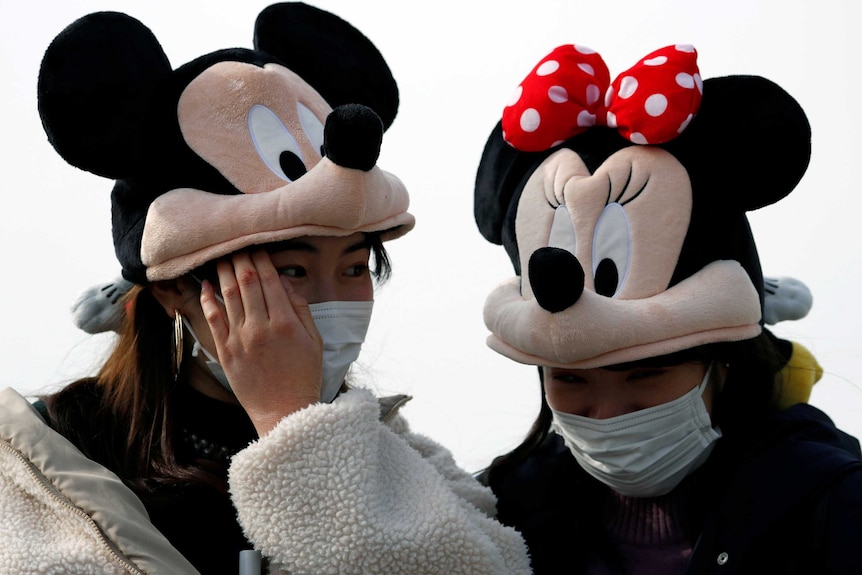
(457, 62)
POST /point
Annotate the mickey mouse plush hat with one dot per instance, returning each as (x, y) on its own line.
(622, 206)
(236, 148)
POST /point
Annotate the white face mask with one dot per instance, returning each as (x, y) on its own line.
(645, 453)
(212, 363)
(342, 326)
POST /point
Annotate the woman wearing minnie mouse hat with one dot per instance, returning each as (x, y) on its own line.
(671, 437)
(247, 205)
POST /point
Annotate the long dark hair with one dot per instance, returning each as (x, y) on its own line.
(123, 417)
(749, 392)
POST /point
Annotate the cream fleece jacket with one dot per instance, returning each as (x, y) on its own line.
(331, 489)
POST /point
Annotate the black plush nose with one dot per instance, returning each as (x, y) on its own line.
(556, 277)
(352, 136)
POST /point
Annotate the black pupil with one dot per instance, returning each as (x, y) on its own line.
(607, 278)
(291, 165)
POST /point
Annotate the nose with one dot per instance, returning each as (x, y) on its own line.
(319, 291)
(352, 136)
(607, 409)
(557, 278)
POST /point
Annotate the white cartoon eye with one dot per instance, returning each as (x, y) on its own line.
(312, 127)
(562, 231)
(275, 144)
(611, 250)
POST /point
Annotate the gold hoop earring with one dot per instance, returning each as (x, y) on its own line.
(178, 344)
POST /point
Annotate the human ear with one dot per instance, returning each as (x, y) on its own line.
(172, 294)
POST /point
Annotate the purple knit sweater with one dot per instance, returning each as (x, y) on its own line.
(649, 534)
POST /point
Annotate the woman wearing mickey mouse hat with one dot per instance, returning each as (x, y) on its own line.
(247, 207)
(673, 435)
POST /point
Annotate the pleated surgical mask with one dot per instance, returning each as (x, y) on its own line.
(342, 326)
(645, 453)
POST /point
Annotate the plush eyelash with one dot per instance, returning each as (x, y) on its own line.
(625, 188)
(610, 190)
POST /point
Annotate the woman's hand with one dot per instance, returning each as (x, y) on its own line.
(266, 339)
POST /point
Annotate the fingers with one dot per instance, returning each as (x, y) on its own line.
(213, 312)
(273, 292)
(253, 292)
(251, 288)
(265, 338)
(242, 290)
(283, 303)
(299, 305)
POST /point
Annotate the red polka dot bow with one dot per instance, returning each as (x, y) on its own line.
(569, 91)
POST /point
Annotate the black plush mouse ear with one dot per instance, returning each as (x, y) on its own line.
(749, 144)
(94, 84)
(331, 55)
(500, 173)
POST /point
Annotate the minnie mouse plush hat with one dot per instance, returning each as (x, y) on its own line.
(622, 206)
(236, 148)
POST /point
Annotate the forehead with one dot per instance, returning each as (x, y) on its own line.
(672, 375)
(320, 244)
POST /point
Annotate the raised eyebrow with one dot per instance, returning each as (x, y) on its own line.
(293, 245)
(360, 245)
(300, 246)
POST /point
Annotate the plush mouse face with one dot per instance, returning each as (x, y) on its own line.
(600, 251)
(264, 114)
(236, 148)
(262, 129)
(628, 251)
